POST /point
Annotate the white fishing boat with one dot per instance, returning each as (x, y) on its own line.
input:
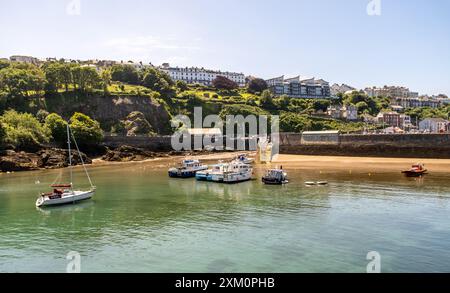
(214, 174)
(64, 193)
(187, 169)
(237, 172)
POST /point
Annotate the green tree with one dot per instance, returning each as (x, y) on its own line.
(267, 99)
(362, 107)
(58, 127)
(52, 76)
(291, 122)
(106, 80)
(157, 81)
(125, 73)
(23, 130)
(86, 130)
(321, 105)
(85, 77)
(66, 77)
(20, 81)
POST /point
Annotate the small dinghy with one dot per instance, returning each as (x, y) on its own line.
(64, 193)
(318, 183)
(275, 177)
(417, 170)
(243, 159)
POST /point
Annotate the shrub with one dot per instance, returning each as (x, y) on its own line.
(41, 115)
(23, 130)
(86, 130)
(58, 127)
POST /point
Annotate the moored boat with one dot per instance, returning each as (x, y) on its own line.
(214, 174)
(243, 159)
(237, 172)
(233, 172)
(64, 193)
(275, 177)
(417, 170)
(187, 169)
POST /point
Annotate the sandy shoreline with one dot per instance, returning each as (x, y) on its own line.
(363, 164)
(371, 164)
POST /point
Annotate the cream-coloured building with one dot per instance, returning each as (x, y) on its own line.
(202, 76)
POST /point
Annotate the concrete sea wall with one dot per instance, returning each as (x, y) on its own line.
(380, 145)
(396, 145)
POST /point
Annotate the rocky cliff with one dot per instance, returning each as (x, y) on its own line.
(110, 110)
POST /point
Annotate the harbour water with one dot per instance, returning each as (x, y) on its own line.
(142, 221)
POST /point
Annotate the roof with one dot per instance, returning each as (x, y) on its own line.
(205, 131)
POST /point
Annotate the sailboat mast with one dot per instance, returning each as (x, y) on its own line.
(70, 154)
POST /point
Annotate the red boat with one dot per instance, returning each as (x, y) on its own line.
(417, 170)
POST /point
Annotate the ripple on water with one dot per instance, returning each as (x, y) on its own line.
(149, 223)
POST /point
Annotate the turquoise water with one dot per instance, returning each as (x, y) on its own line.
(142, 221)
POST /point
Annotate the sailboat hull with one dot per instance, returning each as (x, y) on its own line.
(69, 198)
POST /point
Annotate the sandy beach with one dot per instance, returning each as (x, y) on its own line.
(360, 163)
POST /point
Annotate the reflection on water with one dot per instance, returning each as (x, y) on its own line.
(142, 221)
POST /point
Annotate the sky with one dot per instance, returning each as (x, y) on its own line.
(357, 42)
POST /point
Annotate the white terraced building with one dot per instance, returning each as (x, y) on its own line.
(202, 76)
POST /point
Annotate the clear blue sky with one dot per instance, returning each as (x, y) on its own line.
(408, 44)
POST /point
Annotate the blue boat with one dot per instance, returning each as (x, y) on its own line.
(187, 169)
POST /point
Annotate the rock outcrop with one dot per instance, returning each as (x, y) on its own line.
(136, 124)
(12, 161)
(128, 154)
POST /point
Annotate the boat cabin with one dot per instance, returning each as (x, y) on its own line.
(190, 164)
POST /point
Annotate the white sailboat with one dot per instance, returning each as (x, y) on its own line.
(65, 193)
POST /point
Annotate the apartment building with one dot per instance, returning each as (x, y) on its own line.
(394, 119)
(392, 92)
(341, 89)
(202, 76)
(418, 102)
(297, 88)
